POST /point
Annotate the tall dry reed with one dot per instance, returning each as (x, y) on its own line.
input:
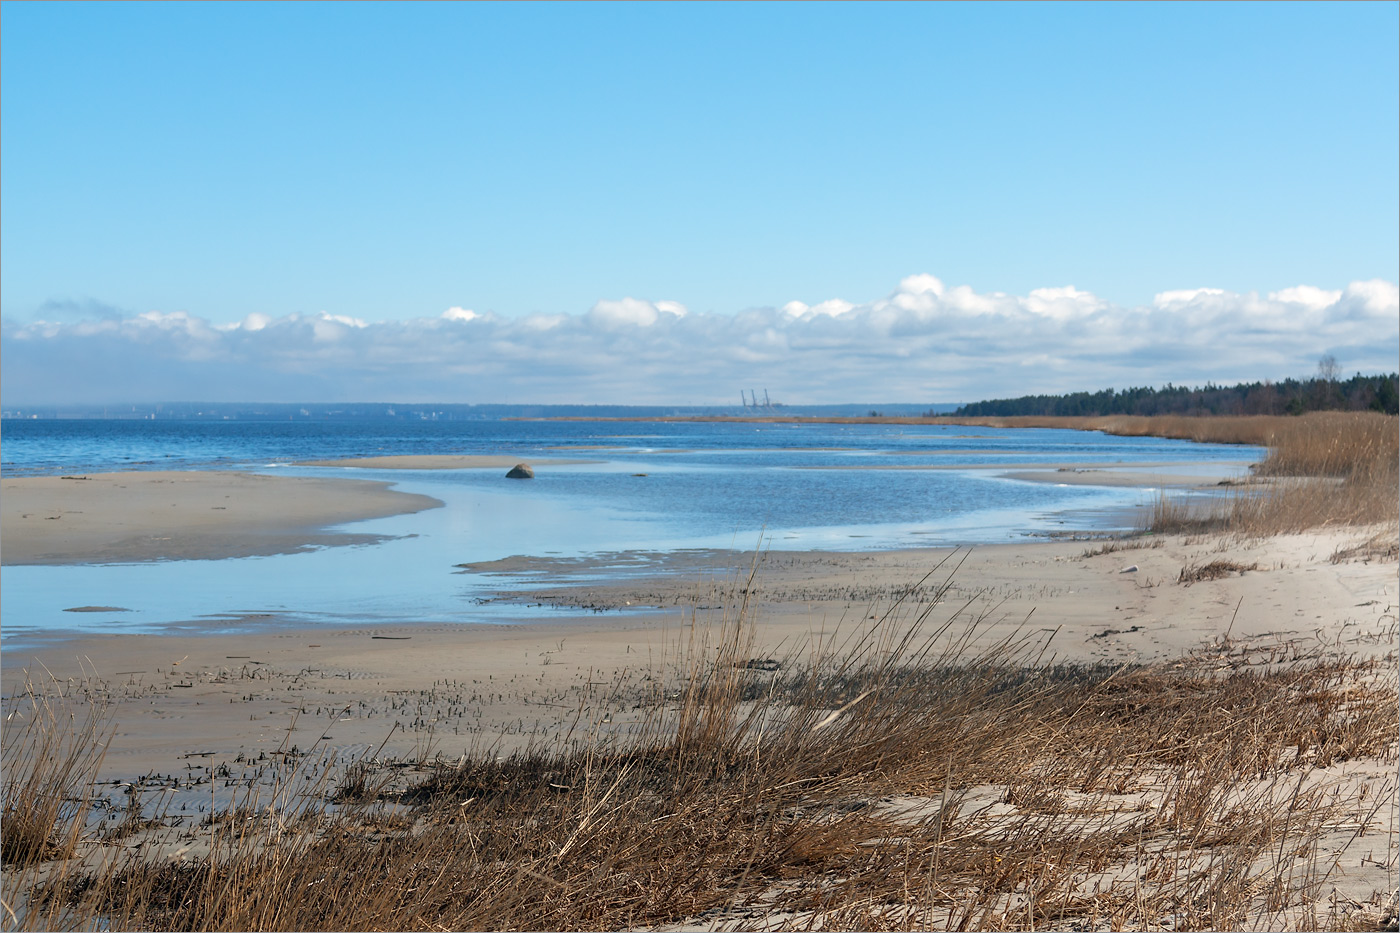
(1322, 469)
(51, 754)
(1325, 468)
(895, 777)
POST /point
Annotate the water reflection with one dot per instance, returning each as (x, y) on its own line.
(767, 497)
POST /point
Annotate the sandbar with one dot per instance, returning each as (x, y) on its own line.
(203, 515)
(1145, 475)
(1185, 474)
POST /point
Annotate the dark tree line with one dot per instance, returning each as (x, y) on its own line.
(1290, 396)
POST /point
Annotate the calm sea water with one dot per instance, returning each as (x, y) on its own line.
(780, 486)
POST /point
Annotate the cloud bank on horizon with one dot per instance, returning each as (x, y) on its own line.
(924, 342)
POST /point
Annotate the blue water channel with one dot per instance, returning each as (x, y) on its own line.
(705, 485)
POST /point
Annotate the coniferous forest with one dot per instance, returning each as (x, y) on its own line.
(1287, 397)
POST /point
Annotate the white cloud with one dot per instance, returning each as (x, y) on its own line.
(1062, 303)
(963, 299)
(340, 319)
(1184, 296)
(671, 307)
(633, 312)
(832, 307)
(1307, 296)
(923, 341)
(1376, 296)
(921, 284)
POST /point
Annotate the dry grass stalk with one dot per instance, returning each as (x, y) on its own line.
(51, 755)
(1214, 570)
(1127, 544)
(1379, 547)
(1324, 468)
(895, 778)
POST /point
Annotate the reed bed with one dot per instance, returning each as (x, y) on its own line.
(1358, 450)
(1322, 469)
(1308, 444)
(894, 778)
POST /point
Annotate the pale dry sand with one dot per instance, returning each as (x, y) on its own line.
(1143, 475)
(119, 517)
(456, 685)
(1167, 473)
(198, 721)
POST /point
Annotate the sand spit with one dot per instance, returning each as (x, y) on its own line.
(1140, 475)
(141, 516)
(1183, 475)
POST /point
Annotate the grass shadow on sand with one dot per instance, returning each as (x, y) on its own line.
(903, 775)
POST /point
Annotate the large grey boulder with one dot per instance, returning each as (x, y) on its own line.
(521, 471)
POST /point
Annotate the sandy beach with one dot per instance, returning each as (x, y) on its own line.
(222, 696)
(197, 720)
(139, 516)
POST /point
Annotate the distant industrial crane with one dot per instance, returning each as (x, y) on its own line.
(749, 399)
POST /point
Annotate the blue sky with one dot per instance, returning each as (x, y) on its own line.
(370, 167)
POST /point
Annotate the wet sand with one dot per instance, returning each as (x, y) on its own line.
(1193, 474)
(142, 516)
(1182, 475)
(608, 619)
(454, 686)
(199, 722)
(1143, 475)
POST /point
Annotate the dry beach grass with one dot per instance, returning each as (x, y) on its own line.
(1327, 468)
(889, 780)
(1322, 468)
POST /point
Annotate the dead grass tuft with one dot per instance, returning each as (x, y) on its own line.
(51, 754)
(1215, 570)
(1383, 546)
(895, 779)
(1130, 544)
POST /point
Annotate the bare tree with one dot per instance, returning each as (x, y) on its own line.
(1327, 371)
